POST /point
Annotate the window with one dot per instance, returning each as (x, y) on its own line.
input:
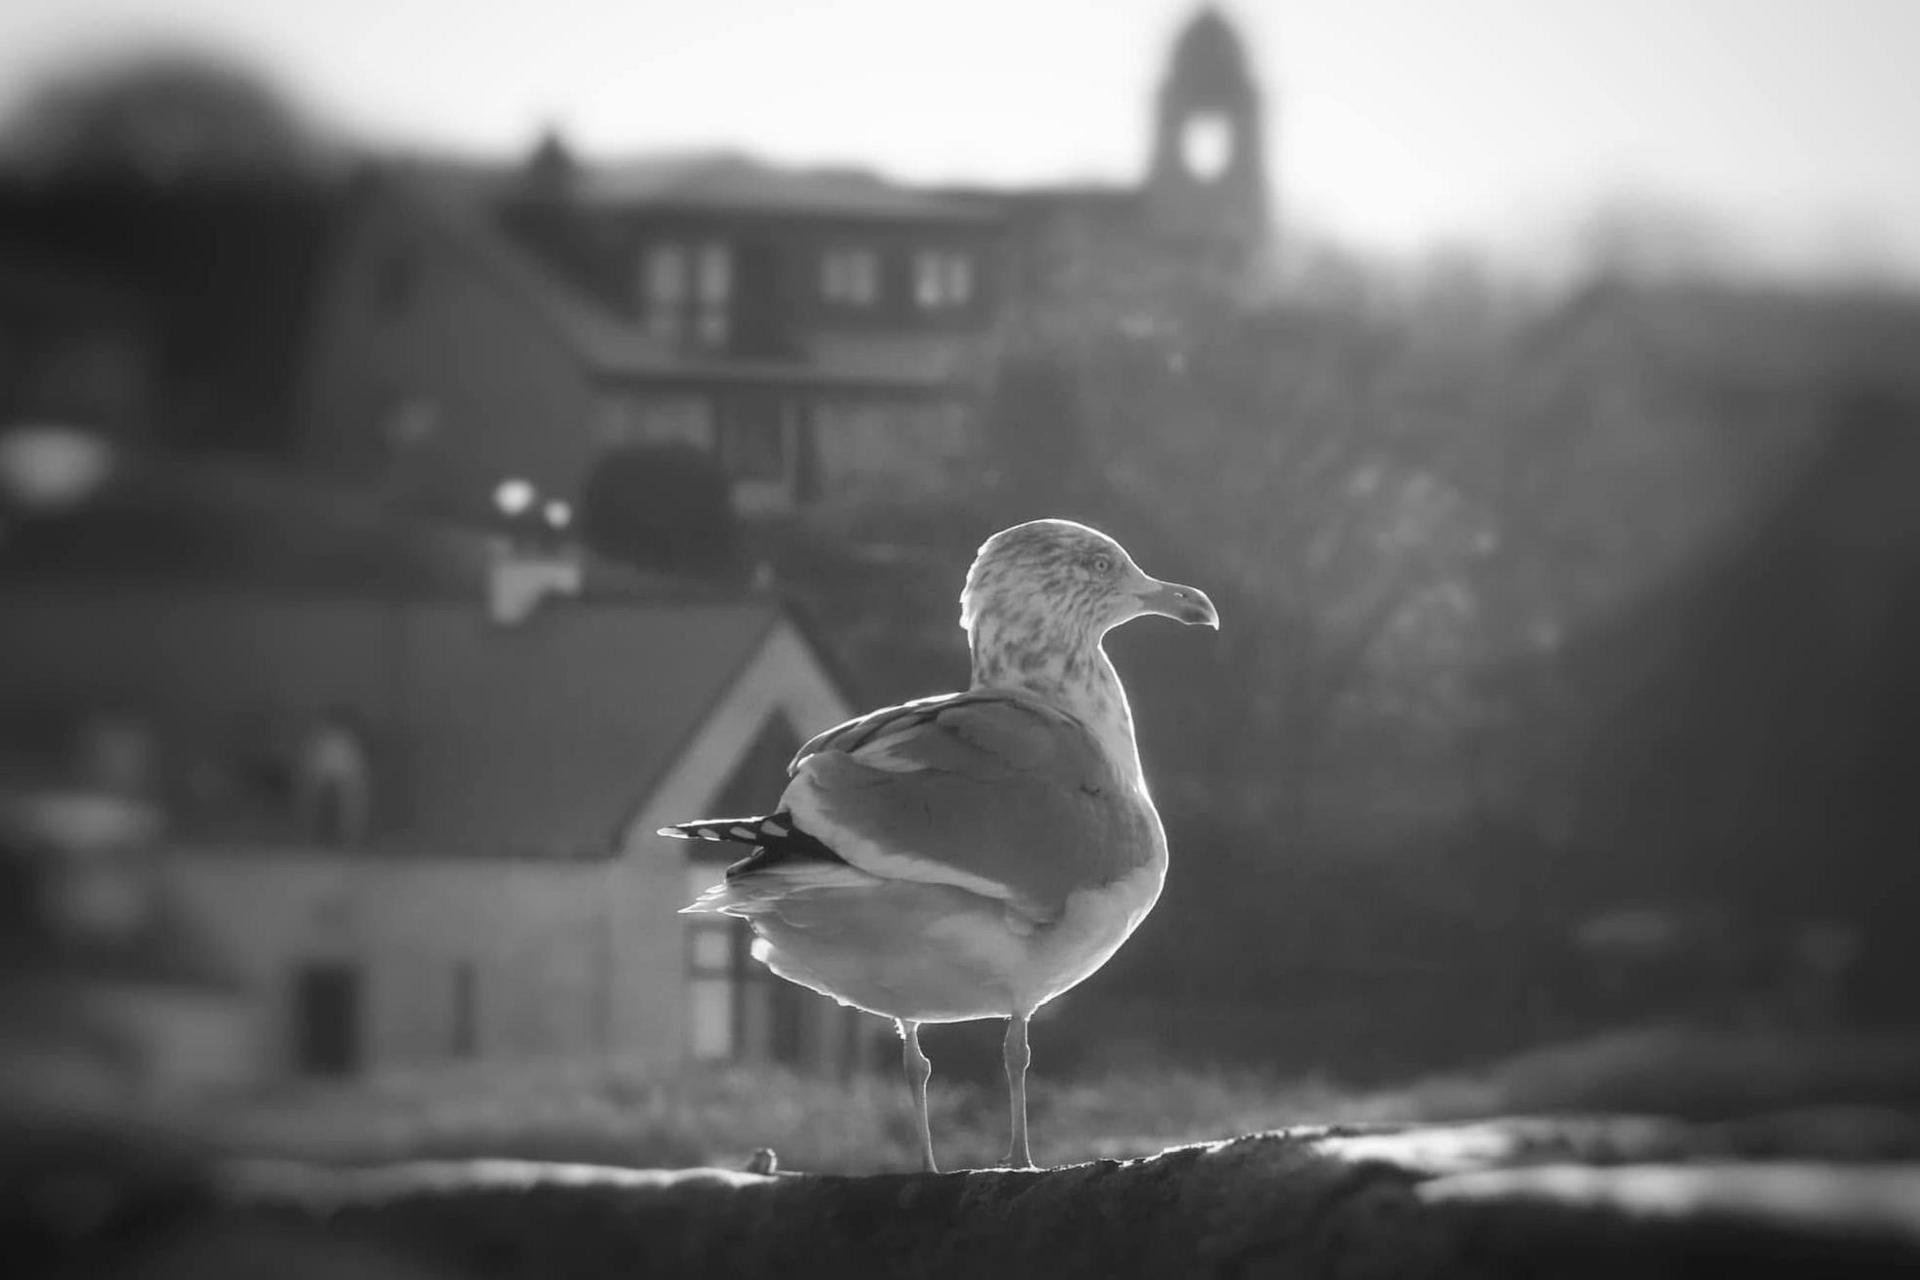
(688, 291)
(330, 812)
(326, 1018)
(710, 974)
(787, 1036)
(714, 292)
(850, 276)
(334, 782)
(942, 278)
(727, 990)
(664, 290)
(1206, 146)
(633, 419)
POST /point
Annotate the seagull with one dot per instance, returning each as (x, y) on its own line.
(972, 855)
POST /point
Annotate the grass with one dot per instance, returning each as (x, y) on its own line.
(621, 1114)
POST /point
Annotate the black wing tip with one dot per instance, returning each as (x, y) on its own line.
(788, 844)
(775, 839)
(760, 830)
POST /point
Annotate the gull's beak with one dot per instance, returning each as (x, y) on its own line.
(1183, 604)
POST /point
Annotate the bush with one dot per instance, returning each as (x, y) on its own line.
(666, 507)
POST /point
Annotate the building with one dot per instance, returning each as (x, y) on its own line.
(409, 819)
(1206, 183)
(1196, 229)
(824, 335)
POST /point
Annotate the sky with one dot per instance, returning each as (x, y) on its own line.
(1399, 126)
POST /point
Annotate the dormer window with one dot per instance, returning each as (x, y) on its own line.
(687, 291)
(334, 782)
(850, 276)
(942, 279)
(715, 290)
(664, 291)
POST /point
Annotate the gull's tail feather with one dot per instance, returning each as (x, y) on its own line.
(769, 887)
(767, 829)
(785, 860)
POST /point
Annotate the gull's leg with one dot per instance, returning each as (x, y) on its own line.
(1019, 1155)
(918, 1070)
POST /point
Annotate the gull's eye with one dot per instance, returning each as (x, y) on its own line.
(1103, 564)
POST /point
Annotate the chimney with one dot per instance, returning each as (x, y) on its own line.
(550, 168)
(523, 573)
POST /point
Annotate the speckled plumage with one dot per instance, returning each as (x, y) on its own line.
(972, 855)
(1035, 608)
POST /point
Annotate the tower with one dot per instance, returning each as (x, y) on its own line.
(1206, 185)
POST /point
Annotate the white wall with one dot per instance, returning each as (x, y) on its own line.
(569, 956)
(651, 879)
(534, 931)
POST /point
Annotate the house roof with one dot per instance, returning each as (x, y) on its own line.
(1093, 198)
(199, 520)
(541, 739)
(464, 204)
(529, 739)
(712, 180)
(533, 739)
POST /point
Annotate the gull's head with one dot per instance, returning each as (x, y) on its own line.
(1055, 575)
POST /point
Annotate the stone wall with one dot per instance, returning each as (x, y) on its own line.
(1576, 1198)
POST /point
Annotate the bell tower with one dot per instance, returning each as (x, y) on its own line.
(1206, 186)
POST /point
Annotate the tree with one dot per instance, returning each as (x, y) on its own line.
(1645, 239)
(661, 507)
(190, 186)
(161, 117)
(1035, 426)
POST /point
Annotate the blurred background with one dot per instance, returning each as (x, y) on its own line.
(439, 446)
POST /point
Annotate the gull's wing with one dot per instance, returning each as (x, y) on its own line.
(989, 792)
(854, 733)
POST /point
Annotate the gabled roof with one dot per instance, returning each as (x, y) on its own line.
(539, 740)
(1107, 204)
(464, 206)
(721, 180)
(528, 739)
